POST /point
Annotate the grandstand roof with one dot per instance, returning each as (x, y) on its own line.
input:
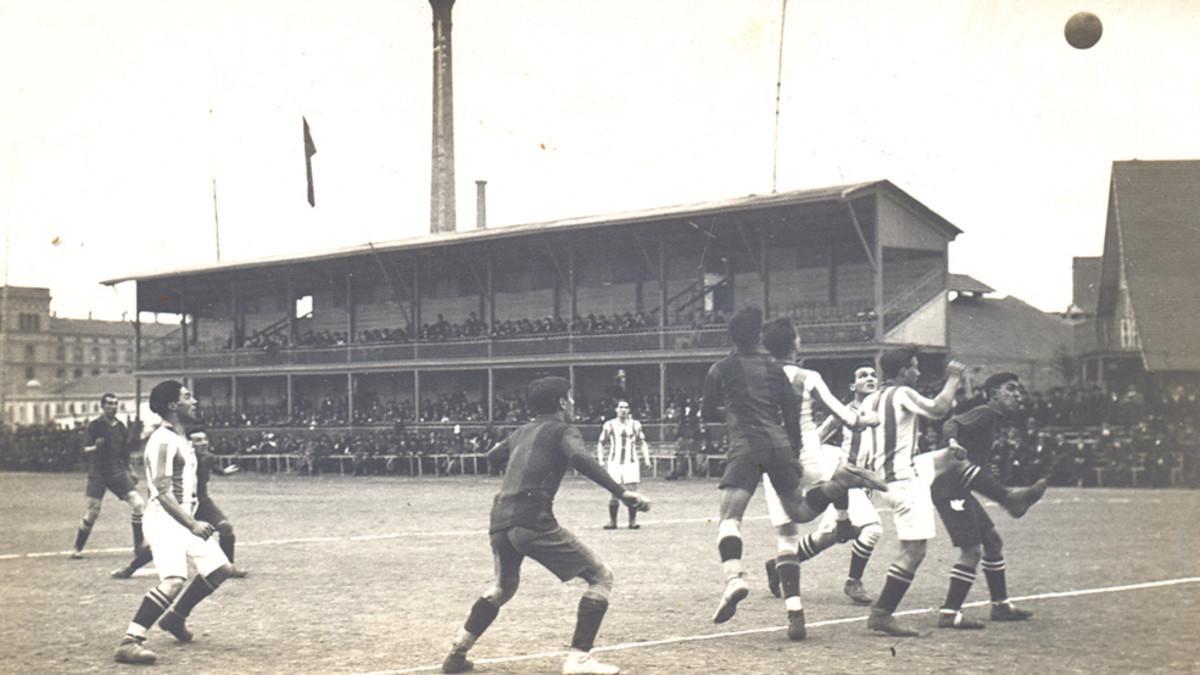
(1006, 328)
(965, 283)
(662, 213)
(1153, 236)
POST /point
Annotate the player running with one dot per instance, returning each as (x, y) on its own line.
(206, 509)
(174, 533)
(971, 529)
(107, 450)
(818, 462)
(624, 438)
(750, 392)
(523, 525)
(863, 516)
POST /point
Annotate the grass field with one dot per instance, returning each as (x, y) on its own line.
(353, 575)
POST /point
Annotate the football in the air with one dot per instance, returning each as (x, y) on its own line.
(1083, 30)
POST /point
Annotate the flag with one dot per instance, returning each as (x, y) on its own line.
(309, 151)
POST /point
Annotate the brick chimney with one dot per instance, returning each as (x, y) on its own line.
(441, 205)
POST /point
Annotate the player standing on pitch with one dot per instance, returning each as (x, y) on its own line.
(172, 529)
(624, 438)
(107, 449)
(523, 525)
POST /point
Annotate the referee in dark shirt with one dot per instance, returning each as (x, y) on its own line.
(749, 392)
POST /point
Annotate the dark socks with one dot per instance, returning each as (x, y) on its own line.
(139, 540)
(788, 567)
(483, 613)
(197, 589)
(730, 548)
(898, 581)
(993, 571)
(613, 509)
(153, 605)
(961, 579)
(227, 542)
(860, 555)
(81, 535)
(587, 625)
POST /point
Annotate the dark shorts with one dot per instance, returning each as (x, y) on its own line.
(745, 470)
(965, 519)
(557, 550)
(209, 512)
(120, 485)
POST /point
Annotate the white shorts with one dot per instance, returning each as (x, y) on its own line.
(625, 474)
(172, 544)
(911, 504)
(818, 466)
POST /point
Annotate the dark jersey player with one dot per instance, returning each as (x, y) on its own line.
(523, 525)
(107, 450)
(971, 530)
(206, 509)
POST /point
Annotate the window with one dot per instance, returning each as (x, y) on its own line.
(60, 353)
(30, 373)
(95, 355)
(30, 352)
(28, 323)
(95, 371)
(77, 354)
(60, 373)
(77, 373)
(112, 356)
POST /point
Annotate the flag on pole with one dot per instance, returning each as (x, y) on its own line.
(309, 150)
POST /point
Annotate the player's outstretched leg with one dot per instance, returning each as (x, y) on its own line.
(1016, 501)
(85, 527)
(860, 555)
(633, 525)
(228, 541)
(486, 607)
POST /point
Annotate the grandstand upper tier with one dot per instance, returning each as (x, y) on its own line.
(858, 266)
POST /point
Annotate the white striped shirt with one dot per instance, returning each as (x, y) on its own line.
(808, 384)
(892, 445)
(623, 439)
(170, 454)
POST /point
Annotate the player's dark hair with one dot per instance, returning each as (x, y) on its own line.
(779, 337)
(107, 395)
(623, 400)
(543, 394)
(163, 395)
(998, 380)
(746, 327)
(197, 430)
(895, 360)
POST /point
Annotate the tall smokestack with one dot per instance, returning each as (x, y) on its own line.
(480, 204)
(441, 205)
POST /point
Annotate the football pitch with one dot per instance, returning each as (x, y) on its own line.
(374, 575)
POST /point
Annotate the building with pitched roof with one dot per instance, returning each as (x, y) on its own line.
(1147, 313)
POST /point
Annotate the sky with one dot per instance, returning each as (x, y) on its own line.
(117, 116)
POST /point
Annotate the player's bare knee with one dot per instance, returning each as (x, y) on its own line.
(600, 582)
(970, 555)
(871, 533)
(218, 576)
(502, 590)
(136, 503)
(93, 511)
(912, 553)
(993, 544)
(225, 529)
(171, 586)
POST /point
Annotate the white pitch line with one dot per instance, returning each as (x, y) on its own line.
(473, 533)
(815, 624)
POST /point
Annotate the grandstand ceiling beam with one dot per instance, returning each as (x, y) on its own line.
(754, 255)
(662, 279)
(574, 308)
(862, 237)
(387, 277)
(350, 312)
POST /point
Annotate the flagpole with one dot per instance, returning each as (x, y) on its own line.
(778, 87)
(216, 219)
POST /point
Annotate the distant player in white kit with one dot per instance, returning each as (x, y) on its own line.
(624, 439)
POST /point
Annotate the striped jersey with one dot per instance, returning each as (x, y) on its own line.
(620, 441)
(893, 444)
(852, 440)
(170, 454)
(807, 385)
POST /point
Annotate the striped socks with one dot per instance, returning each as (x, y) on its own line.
(962, 578)
(993, 571)
(894, 588)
